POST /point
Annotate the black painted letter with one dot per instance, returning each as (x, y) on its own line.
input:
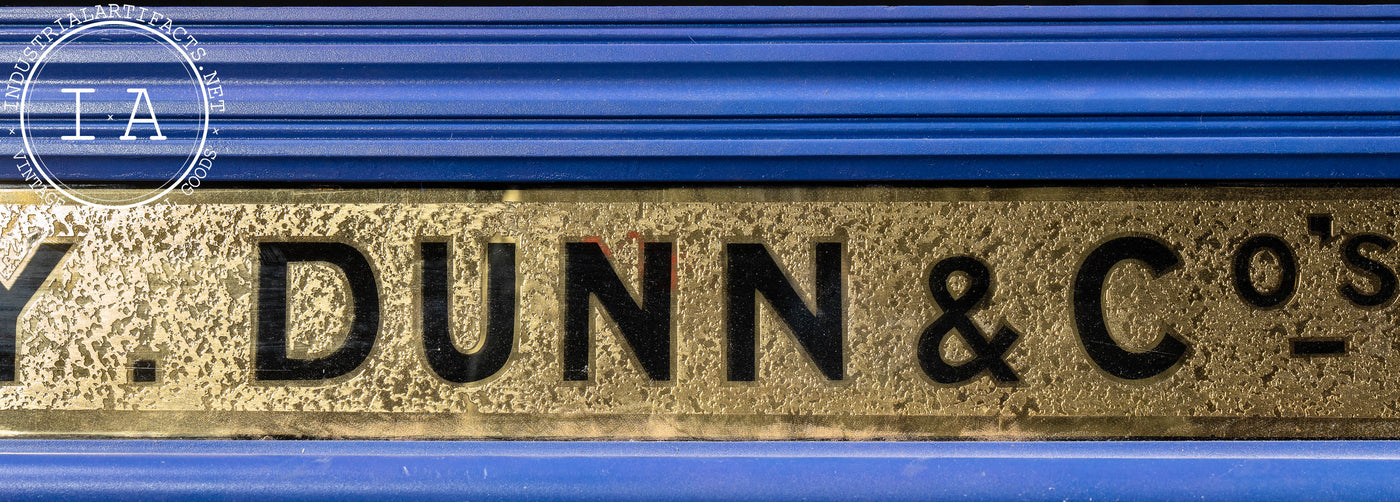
(1088, 309)
(1385, 278)
(272, 362)
(752, 270)
(647, 328)
(13, 300)
(499, 336)
(1288, 275)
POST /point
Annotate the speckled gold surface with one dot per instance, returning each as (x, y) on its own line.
(178, 283)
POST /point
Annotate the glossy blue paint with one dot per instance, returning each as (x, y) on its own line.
(763, 94)
(321, 470)
(750, 94)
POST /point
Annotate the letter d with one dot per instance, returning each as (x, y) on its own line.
(271, 359)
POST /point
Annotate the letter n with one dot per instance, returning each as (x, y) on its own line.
(645, 327)
(752, 271)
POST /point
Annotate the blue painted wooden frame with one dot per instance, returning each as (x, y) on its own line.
(783, 94)
(754, 94)
(358, 470)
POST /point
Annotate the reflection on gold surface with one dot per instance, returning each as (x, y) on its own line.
(179, 285)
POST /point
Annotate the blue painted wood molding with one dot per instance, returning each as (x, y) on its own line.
(766, 94)
(745, 94)
(354, 470)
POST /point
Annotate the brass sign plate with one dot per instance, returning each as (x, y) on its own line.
(822, 313)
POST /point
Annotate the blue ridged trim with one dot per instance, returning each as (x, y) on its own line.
(319, 470)
(788, 93)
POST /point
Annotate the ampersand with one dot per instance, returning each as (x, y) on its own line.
(988, 354)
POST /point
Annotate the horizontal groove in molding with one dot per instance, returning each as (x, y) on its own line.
(732, 138)
(834, 93)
